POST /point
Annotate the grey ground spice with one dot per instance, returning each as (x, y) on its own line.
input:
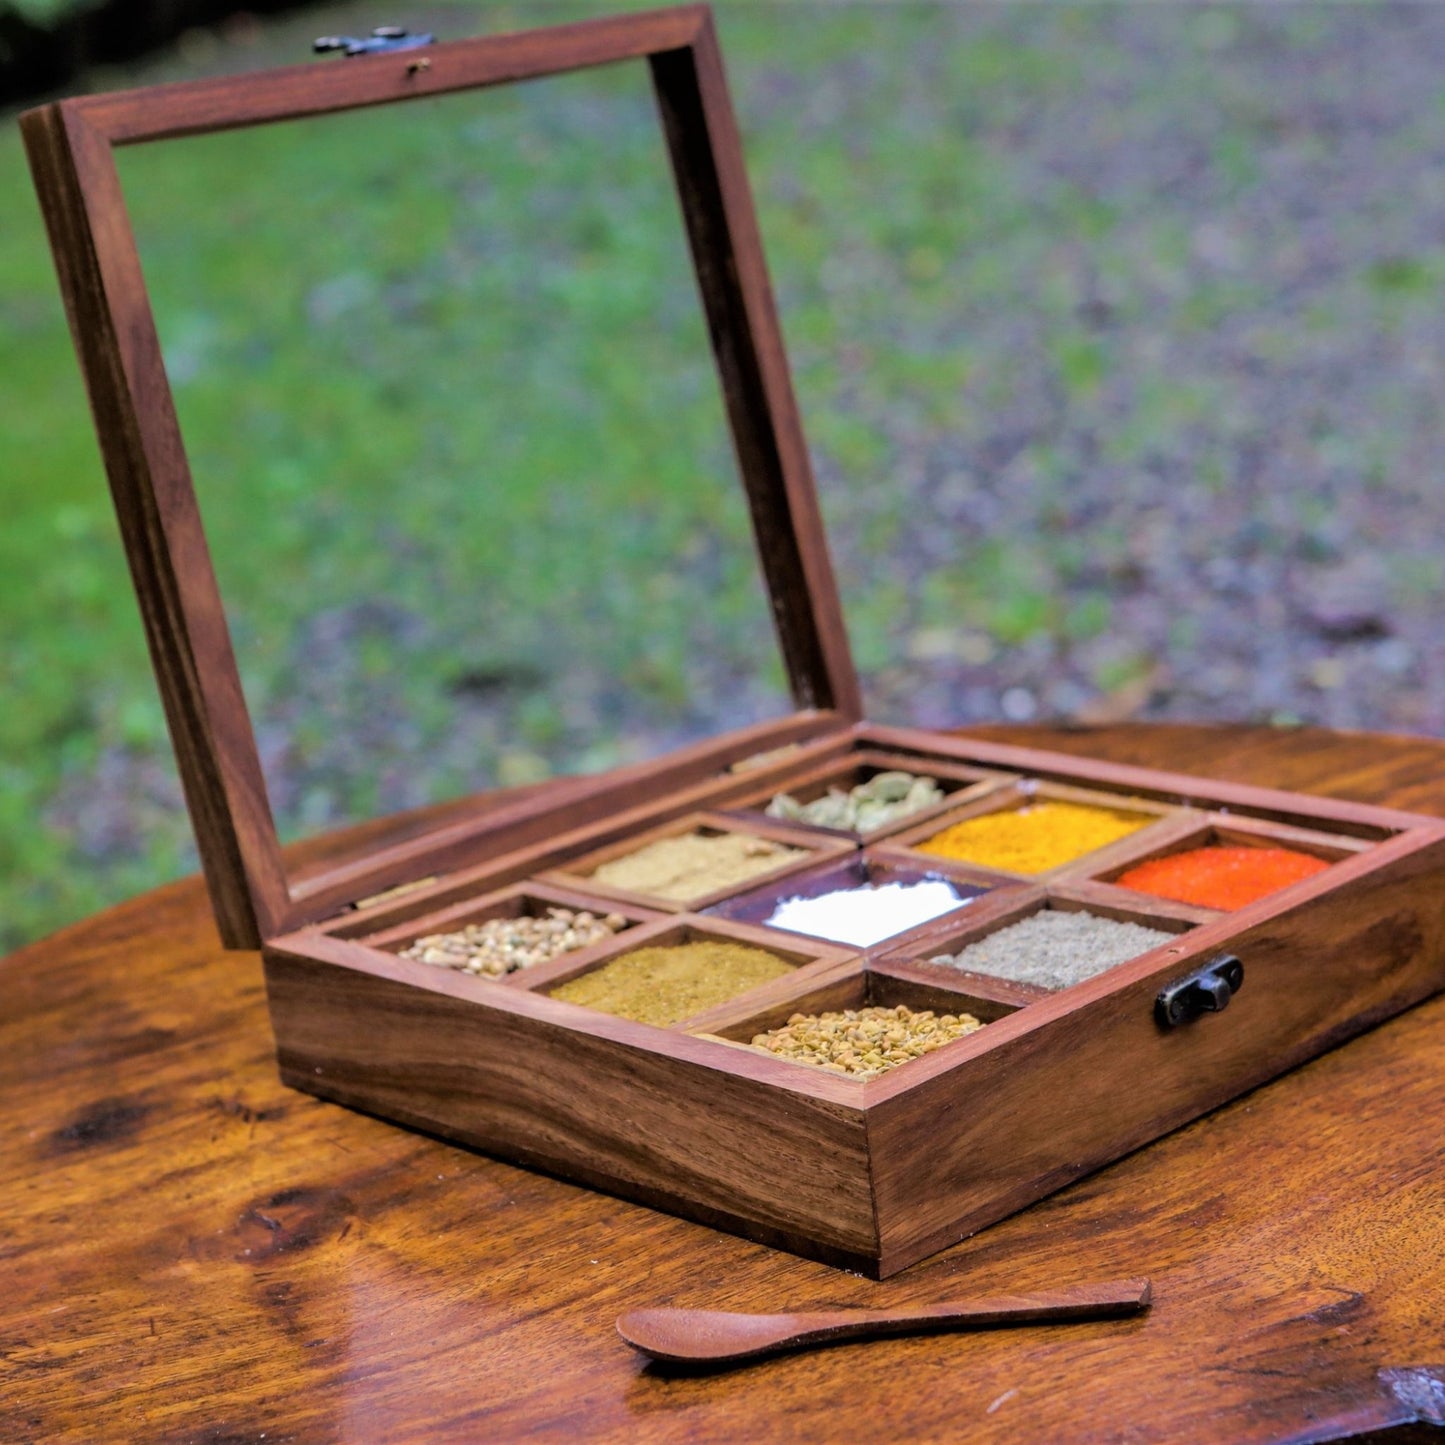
(665, 984)
(498, 946)
(686, 868)
(865, 1041)
(1055, 948)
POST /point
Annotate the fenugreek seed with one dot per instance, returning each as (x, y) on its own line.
(864, 1042)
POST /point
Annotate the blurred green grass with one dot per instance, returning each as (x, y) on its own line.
(1069, 417)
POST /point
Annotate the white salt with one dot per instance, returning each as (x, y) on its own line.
(864, 916)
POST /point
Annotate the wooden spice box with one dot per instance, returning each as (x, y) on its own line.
(872, 1173)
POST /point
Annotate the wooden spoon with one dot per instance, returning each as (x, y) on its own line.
(705, 1337)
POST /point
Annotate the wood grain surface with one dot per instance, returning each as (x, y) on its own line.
(191, 1251)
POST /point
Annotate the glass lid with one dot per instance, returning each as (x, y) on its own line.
(466, 465)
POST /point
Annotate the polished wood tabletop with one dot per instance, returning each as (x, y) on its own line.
(190, 1251)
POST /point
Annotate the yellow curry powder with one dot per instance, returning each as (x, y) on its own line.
(1032, 839)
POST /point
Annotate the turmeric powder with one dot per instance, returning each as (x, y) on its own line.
(1032, 839)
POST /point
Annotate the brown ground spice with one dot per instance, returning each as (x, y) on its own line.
(694, 865)
(666, 984)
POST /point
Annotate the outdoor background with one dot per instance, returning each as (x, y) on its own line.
(1116, 329)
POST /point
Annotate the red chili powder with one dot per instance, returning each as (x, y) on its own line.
(1221, 877)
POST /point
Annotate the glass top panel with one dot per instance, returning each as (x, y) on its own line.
(445, 386)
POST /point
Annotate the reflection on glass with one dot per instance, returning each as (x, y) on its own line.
(445, 386)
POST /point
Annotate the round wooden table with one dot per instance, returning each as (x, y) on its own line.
(190, 1251)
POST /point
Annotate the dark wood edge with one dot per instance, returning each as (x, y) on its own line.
(717, 204)
(1184, 789)
(196, 107)
(190, 647)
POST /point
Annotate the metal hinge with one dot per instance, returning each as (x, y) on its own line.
(383, 39)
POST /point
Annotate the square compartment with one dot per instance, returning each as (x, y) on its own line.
(806, 963)
(1021, 796)
(857, 873)
(855, 989)
(919, 954)
(523, 900)
(958, 783)
(579, 874)
(1220, 830)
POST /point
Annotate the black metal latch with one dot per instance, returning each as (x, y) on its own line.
(384, 38)
(1205, 991)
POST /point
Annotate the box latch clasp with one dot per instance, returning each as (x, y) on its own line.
(1207, 990)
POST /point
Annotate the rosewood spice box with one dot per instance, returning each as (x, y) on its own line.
(854, 991)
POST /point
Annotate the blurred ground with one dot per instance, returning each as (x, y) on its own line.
(1117, 336)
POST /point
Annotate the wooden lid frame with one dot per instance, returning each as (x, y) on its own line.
(70, 145)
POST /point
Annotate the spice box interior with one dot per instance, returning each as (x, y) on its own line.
(852, 990)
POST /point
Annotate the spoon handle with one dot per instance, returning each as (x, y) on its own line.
(1106, 1300)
